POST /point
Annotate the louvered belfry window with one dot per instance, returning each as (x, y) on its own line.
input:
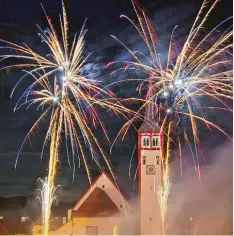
(145, 141)
(155, 141)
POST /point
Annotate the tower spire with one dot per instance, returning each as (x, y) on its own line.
(150, 113)
(150, 167)
(150, 120)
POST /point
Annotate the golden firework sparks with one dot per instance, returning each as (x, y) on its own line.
(202, 69)
(68, 98)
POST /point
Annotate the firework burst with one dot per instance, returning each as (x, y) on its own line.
(68, 100)
(202, 69)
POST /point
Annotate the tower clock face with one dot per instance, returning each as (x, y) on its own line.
(150, 169)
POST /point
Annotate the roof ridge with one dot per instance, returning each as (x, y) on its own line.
(98, 177)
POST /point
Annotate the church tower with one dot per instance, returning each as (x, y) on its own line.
(150, 173)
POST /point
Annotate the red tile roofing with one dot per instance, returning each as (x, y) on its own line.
(98, 204)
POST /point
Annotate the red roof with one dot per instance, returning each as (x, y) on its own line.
(101, 174)
(3, 230)
(98, 204)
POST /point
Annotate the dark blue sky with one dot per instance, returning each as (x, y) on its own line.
(18, 23)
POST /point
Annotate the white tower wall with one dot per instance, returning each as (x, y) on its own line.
(150, 180)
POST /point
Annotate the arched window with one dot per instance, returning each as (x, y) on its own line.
(148, 142)
(155, 141)
(157, 160)
(145, 141)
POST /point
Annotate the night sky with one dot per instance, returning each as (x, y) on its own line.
(18, 21)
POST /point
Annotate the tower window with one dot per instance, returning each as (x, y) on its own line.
(155, 141)
(145, 141)
(103, 186)
(144, 160)
(157, 160)
(150, 218)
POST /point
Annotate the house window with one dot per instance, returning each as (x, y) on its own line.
(155, 141)
(144, 160)
(157, 160)
(91, 230)
(145, 141)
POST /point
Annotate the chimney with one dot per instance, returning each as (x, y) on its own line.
(69, 214)
(64, 220)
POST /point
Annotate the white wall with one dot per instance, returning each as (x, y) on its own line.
(149, 204)
(78, 226)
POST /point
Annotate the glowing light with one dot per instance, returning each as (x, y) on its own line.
(69, 73)
(115, 230)
(165, 94)
(61, 68)
(168, 110)
(171, 86)
(178, 82)
(55, 99)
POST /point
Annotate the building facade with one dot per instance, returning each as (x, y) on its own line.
(150, 177)
(102, 210)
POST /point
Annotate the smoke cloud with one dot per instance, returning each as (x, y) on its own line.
(210, 201)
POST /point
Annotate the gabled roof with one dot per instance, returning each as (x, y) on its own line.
(3, 230)
(15, 226)
(149, 127)
(95, 185)
(98, 204)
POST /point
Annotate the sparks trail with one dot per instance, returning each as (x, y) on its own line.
(69, 100)
(202, 69)
(46, 198)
